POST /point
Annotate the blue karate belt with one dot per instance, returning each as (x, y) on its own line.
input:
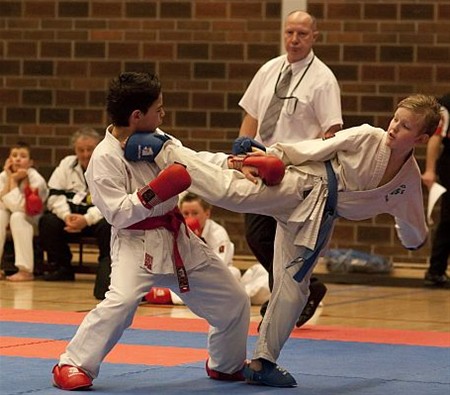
(326, 225)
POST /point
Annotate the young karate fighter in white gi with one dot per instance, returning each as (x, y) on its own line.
(151, 246)
(376, 173)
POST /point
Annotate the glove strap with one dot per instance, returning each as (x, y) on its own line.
(237, 162)
(148, 198)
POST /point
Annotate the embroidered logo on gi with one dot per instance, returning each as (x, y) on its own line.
(148, 262)
(397, 191)
(222, 249)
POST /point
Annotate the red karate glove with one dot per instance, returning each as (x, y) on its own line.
(269, 168)
(33, 202)
(169, 183)
(194, 225)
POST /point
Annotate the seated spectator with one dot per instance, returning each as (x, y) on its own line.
(22, 193)
(197, 213)
(70, 211)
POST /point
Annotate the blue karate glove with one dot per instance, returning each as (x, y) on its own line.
(144, 146)
(243, 145)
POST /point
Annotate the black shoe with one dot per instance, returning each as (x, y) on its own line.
(62, 274)
(437, 280)
(271, 375)
(317, 291)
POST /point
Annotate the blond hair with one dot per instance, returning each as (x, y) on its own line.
(424, 105)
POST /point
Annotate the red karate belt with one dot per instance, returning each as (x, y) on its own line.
(172, 222)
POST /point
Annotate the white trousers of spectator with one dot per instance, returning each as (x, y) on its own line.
(22, 231)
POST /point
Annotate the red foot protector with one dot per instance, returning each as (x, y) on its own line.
(70, 378)
(159, 296)
(215, 375)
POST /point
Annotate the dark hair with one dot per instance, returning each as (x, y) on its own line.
(131, 91)
(21, 144)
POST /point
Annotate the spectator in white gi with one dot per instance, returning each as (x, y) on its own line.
(197, 213)
(22, 194)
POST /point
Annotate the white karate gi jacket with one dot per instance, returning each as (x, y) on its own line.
(68, 176)
(114, 182)
(359, 157)
(218, 240)
(14, 200)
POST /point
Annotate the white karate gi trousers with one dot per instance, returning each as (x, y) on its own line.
(214, 295)
(22, 231)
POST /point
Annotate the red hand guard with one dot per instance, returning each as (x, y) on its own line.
(169, 183)
(33, 202)
(193, 224)
(270, 168)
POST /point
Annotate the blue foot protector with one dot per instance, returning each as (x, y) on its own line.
(271, 375)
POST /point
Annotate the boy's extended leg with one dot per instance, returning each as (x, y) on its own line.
(230, 189)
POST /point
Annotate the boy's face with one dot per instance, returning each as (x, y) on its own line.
(405, 130)
(195, 210)
(153, 117)
(20, 159)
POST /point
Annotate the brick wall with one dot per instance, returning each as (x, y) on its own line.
(382, 51)
(58, 56)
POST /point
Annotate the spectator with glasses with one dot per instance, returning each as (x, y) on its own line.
(291, 98)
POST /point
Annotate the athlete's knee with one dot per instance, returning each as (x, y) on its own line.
(18, 219)
(240, 303)
(123, 300)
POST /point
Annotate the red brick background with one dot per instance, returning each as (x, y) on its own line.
(58, 56)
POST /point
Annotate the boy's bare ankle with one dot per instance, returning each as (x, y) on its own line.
(255, 365)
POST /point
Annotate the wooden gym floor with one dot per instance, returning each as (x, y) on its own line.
(364, 306)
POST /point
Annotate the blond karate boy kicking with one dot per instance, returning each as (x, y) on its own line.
(375, 172)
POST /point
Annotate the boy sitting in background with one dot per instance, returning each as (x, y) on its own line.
(22, 193)
(197, 213)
